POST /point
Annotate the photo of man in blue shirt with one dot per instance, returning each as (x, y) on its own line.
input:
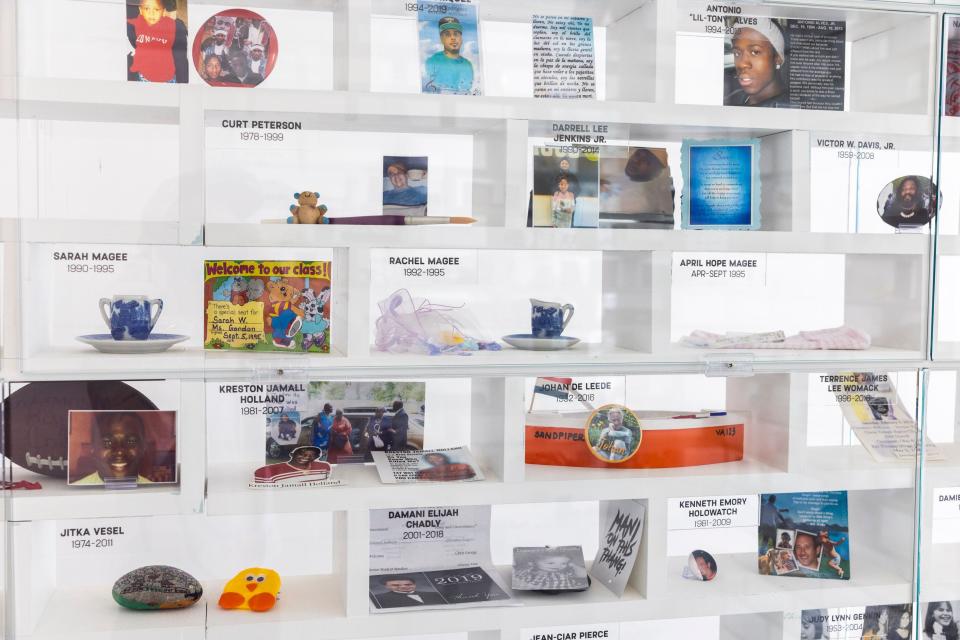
(447, 71)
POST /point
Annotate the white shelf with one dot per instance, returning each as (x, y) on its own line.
(227, 492)
(56, 500)
(583, 359)
(111, 101)
(84, 361)
(850, 468)
(90, 613)
(738, 587)
(102, 232)
(523, 238)
(737, 590)
(111, 232)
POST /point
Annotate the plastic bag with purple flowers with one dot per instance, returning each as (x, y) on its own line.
(406, 326)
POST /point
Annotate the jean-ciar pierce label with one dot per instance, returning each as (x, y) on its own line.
(602, 631)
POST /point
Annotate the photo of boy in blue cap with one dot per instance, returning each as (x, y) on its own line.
(448, 70)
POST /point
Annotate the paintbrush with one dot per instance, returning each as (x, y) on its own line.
(390, 219)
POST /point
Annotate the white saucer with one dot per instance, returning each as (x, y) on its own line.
(157, 342)
(530, 342)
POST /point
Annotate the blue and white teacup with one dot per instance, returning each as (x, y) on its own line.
(549, 319)
(130, 317)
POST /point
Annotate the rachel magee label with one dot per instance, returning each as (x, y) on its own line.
(416, 266)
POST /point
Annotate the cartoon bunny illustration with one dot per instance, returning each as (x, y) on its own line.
(314, 325)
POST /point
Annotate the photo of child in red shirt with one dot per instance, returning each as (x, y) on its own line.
(158, 34)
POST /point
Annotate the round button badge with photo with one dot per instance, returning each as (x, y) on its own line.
(235, 48)
(700, 566)
(908, 201)
(613, 433)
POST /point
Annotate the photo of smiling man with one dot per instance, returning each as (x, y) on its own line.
(449, 48)
(908, 201)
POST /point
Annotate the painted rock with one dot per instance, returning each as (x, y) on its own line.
(156, 587)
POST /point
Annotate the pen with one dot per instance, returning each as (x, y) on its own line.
(394, 219)
(705, 414)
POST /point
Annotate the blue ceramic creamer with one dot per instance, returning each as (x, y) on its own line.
(130, 317)
(549, 319)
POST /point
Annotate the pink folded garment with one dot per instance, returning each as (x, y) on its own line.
(835, 338)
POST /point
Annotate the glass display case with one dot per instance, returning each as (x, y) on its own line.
(480, 320)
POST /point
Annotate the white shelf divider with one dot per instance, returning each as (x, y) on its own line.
(351, 45)
(516, 190)
(355, 524)
(192, 165)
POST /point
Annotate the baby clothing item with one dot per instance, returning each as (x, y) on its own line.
(836, 338)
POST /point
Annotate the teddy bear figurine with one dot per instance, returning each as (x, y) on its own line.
(306, 210)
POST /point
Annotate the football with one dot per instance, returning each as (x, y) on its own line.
(35, 418)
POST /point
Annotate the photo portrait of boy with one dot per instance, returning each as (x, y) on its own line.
(449, 48)
(130, 447)
(157, 31)
(405, 185)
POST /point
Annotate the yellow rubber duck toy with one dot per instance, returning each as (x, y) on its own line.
(256, 589)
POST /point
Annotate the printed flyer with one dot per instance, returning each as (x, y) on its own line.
(267, 305)
(873, 409)
(722, 184)
(433, 465)
(784, 63)
(433, 557)
(804, 535)
(621, 530)
(951, 83)
(563, 60)
(876, 622)
(449, 45)
(727, 56)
